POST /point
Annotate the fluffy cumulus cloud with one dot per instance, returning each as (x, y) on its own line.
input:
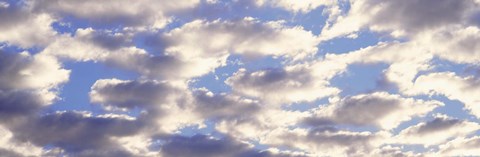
(267, 78)
(21, 26)
(460, 88)
(402, 18)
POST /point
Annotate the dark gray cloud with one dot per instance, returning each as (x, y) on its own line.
(10, 65)
(206, 146)
(76, 132)
(417, 15)
(437, 124)
(20, 104)
(131, 94)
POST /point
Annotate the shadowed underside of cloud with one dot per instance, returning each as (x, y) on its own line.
(229, 78)
(201, 145)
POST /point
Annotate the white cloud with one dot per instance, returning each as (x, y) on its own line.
(247, 36)
(282, 86)
(400, 18)
(463, 89)
(460, 147)
(436, 131)
(8, 142)
(22, 27)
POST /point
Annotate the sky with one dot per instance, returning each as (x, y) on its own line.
(239, 78)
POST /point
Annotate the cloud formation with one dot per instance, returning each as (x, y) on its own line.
(269, 78)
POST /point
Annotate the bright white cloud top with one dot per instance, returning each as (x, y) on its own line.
(239, 78)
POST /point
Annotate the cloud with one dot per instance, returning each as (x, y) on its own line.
(462, 41)
(10, 147)
(166, 107)
(131, 94)
(379, 109)
(77, 133)
(304, 6)
(323, 141)
(186, 48)
(224, 106)
(461, 147)
(148, 14)
(21, 26)
(247, 36)
(303, 82)
(462, 89)
(437, 131)
(281, 86)
(265, 111)
(401, 18)
(393, 151)
(203, 146)
(27, 83)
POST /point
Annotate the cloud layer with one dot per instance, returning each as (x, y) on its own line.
(239, 78)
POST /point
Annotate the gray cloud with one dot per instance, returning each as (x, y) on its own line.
(223, 106)
(10, 64)
(77, 133)
(19, 92)
(437, 124)
(403, 18)
(205, 146)
(131, 94)
(106, 13)
(417, 15)
(375, 109)
(7, 153)
(14, 105)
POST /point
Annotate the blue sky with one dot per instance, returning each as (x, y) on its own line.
(239, 78)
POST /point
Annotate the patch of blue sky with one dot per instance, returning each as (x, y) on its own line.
(414, 148)
(360, 79)
(345, 45)
(442, 65)
(215, 80)
(411, 122)
(74, 95)
(233, 9)
(305, 106)
(313, 21)
(208, 129)
(68, 24)
(9, 48)
(263, 63)
(452, 108)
